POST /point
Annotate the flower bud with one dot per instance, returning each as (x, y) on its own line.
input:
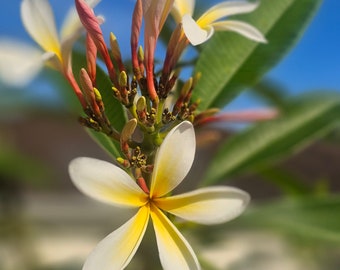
(123, 79)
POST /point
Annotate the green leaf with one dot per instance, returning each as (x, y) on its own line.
(109, 145)
(305, 119)
(310, 217)
(230, 62)
(288, 182)
(270, 92)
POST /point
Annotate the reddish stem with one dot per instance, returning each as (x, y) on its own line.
(141, 182)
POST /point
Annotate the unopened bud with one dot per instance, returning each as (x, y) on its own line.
(197, 77)
(88, 89)
(91, 57)
(204, 116)
(141, 109)
(97, 94)
(210, 112)
(116, 51)
(114, 46)
(125, 163)
(140, 54)
(186, 87)
(99, 100)
(123, 79)
(141, 104)
(191, 118)
(86, 82)
(116, 92)
(128, 130)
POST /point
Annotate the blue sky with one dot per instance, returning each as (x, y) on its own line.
(313, 64)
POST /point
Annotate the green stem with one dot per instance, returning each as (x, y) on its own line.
(133, 112)
(159, 114)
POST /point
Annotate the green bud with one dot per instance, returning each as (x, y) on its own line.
(128, 130)
(141, 104)
(186, 87)
(140, 54)
(123, 79)
(97, 94)
(114, 46)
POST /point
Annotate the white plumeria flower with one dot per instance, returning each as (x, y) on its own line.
(23, 62)
(110, 184)
(20, 62)
(201, 30)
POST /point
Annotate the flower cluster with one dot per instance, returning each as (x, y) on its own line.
(159, 109)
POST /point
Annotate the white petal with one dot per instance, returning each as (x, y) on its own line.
(181, 8)
(194, 33)
(173, 159)
(225, 9)
(71, 25)
(51, 60)
(242, 28)
(106, 182)
(174, 251)
(116, 250)
(20, 63)
(38, 20)
(210, 205)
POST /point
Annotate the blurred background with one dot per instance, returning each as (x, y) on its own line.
(45, 223)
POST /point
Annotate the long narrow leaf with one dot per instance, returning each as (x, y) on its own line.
(230, 62)
(313, 218)
(306, 119)
(308, 218)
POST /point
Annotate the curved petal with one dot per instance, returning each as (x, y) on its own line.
(38, 20)
(225, 9)
(210, 205)
(242, 28)
(116, 250)
(173, 159)
(194, 33)
(181, 8)
(174, 251)
(20, 63)
(71, 25)
(51, 60)
(106, 182)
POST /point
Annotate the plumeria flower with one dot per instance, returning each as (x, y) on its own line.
(20, 62)
(202, 29)
(38, 19)
(110, 184)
